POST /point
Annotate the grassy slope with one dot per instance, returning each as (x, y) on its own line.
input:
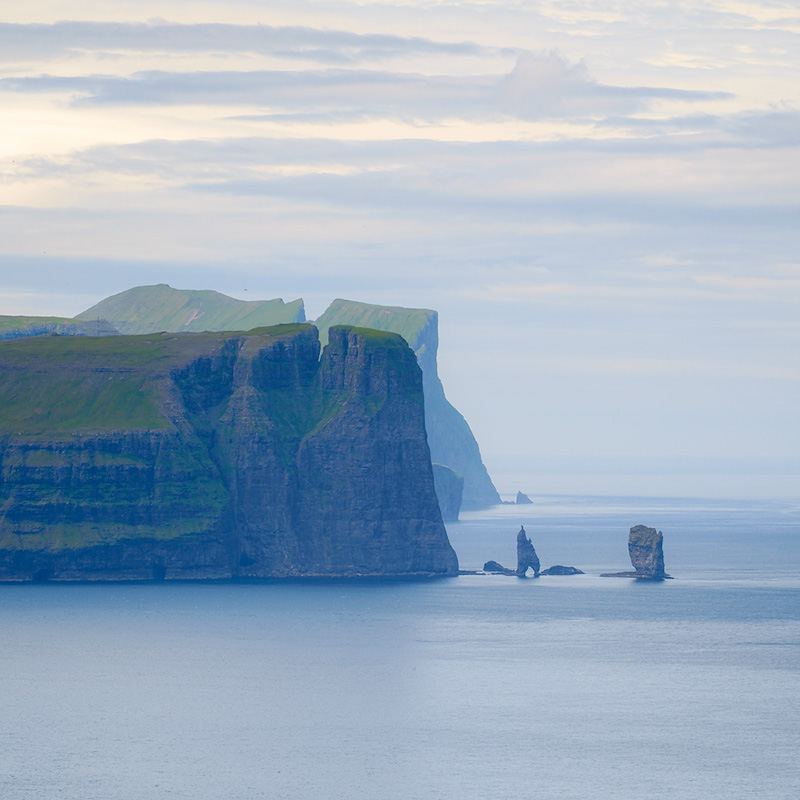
(408, 322)
(17, 323)
(52, 386)
(148, 309)
(57, 384)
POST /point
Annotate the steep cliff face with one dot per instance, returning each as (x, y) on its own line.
(449, 436)
(215, 455)
(645, 546)
(449, 487)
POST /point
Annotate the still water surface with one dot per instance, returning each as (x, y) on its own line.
(473, 687)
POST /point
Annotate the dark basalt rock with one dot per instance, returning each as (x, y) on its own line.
(526, 555)
(645, 549)
(558, 569)
(647, 556)
(494, 567)
(216, 455)
(449, 487)
(523, 499)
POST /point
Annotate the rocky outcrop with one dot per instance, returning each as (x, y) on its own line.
(216, 456)
(449, 436)
(495, 568)
(645, 547)
(523, 499)
(559, 569)
(449, 487)
(526, 555)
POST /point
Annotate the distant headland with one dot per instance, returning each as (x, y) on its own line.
(216, 455)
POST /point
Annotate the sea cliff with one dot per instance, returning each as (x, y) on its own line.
(216, 455)
(451, 440)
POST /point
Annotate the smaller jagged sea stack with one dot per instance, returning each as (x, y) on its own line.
(526, 555)
(523, 499)
(647, 555)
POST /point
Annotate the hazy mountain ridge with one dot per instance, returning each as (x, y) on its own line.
(150, 309)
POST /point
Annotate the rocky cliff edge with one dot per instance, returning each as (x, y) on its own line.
(216, 455)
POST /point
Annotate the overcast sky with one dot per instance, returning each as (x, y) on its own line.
(601, 199)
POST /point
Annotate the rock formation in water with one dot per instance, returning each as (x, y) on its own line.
(151, 309)
(645, 546)
(559, 569)
(523, 499)
(494, 567)
(449, 487)
(526, 555)
(215, 456)
(450, 438)
(18, 327)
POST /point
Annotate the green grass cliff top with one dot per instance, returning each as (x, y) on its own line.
(17, 323)
(63, 384)
(147, 309)
(408, 322)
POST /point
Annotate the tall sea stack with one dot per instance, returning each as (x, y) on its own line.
(645, 546)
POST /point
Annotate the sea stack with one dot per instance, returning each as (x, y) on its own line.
(523, 499)
(647, 556)
(526, 555)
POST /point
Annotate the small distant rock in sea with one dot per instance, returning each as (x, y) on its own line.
(523, 499)
(645, 547)
(560, 569)
(494, 567)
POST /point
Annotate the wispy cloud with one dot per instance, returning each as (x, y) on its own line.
(540, 86)
(32, 42)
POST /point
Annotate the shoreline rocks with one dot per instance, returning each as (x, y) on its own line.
(497, 569)
(560, 569)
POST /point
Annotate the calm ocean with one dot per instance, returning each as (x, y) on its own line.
(576, 688)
